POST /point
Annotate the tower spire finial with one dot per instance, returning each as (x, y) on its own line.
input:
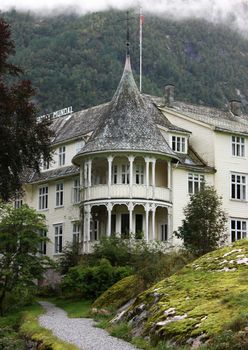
(128, 35)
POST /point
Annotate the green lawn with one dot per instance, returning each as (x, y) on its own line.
(75, 308)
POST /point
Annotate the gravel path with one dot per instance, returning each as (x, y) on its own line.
(79, 331)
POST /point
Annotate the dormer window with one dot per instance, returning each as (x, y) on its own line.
(179, 144)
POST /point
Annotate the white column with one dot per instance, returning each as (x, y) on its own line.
(130, 208)
(109, 208)
(153, 177)
(85, 174)
(147, 160)
(153, 221)
(86, 239)
(89, 177)
(147, 222)
(131, 160)
(90, 171)
(85, 181)
(110, 161)
(170, 225)
(169, 174)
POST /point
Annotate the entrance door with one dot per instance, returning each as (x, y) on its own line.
(138, 226)
(124, 225)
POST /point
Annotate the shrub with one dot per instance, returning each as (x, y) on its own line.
(10, 340)
(113, 248)
(90, 281)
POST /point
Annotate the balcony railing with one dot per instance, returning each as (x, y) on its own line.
(126, 191)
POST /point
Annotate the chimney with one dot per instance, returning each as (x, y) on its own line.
(235, 107)
(169, 95)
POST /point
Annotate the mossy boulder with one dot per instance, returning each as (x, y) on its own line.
(197, 302)
(120, 293)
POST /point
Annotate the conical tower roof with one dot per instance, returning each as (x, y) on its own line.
(128, 124)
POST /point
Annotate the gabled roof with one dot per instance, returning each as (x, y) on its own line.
(129, 122)
(219, 120)
(61, 172)
(77, 124)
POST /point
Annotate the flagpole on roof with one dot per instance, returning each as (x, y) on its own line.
(141, 25)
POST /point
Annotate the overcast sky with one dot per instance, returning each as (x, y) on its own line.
(233, 12)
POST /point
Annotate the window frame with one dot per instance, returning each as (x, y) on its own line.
(76, 232)
(197, 181)
(43, 198)
(76, 191)
(139, 174)
(61, 153)
(58, 238)
(125, 174)
(43, 245)
(235, 231)
(243, 187)
(238, 146)
(18, 201)
(59, 195)
(94, 230)
(179, 143)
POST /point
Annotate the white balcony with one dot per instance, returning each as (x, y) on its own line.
(126, 191)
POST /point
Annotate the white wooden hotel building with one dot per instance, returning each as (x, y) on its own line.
(130, 165)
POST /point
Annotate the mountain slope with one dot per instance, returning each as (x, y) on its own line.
(78, 61)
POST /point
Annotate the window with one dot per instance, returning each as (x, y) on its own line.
(94, 224)
(195, 183)
(125, 174)
(61, 155)
(114, 174)
(238, 186)
(75, 233)
(164, 233)
(59, 194)
(46, 165)
(58, 238)
(76, 191)
(238, 229)
(238, 146)
(43, 247)
(139, 174)
(43, 197)
(179, 144)
(18, 201)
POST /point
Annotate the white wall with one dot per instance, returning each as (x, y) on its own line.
(180, 196)
(65, 214)
(201, 139)
(70, 151)
(225, 165)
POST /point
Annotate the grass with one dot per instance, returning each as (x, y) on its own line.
(23, 323)
(30, 328)
(75, 308)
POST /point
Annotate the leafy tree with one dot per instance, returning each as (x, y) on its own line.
(20, 263)
(23, 140)
(203, 228)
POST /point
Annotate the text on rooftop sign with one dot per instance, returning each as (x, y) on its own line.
(56, 114)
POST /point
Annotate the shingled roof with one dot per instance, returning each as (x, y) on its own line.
(129, 122)
(219, 120)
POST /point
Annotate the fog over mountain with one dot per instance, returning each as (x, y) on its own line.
(232, 12)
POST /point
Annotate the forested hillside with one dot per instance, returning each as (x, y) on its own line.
(78, 61)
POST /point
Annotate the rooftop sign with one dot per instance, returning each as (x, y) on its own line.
(56, 114)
